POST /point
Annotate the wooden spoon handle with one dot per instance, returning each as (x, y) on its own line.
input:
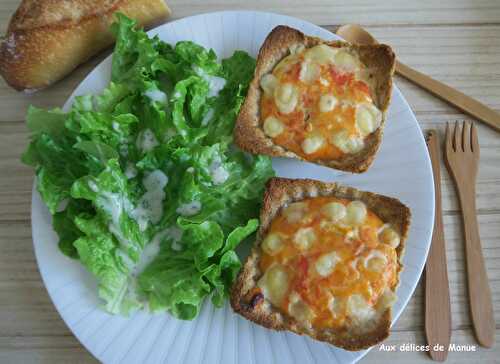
(437, 293)
(477, 280)
(451, 95)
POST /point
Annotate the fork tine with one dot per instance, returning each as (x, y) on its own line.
(474, 140)
(457, 138)
(448, 139)
(466, 136)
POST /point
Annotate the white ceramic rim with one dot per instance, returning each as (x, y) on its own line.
(37, 217)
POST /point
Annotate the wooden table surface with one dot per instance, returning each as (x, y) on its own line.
(455, 41)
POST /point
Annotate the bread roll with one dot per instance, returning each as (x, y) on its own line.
(47, 39)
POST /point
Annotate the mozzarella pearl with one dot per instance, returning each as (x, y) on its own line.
(312, 144)
(272, 244)
(390, 237)
(295, 212)
(345, 143)
(299, 310)
(345, 60)
(358, 309)
(309, 71)
(336, 306)
(327, 103)
(273, 127)
(334, 210)
(356, 213)
(368, 119)
(268, 83)
(386, 300)
(285, 64)
(376, 264)
(304, 238)
(286, 97)
(274, 284)
(321, 54)
(324, 81)
(297, 48)
(326, 264)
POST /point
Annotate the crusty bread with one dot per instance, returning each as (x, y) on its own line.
(248, 135)
(279, 193)
(47, 39)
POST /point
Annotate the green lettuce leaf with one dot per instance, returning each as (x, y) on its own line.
(144, 184)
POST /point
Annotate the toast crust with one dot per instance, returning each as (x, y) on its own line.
(279, 193)
(47, 39)
(248, 134)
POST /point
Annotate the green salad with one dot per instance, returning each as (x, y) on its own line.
(143, 182)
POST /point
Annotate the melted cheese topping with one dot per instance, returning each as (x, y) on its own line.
(329, 262)
(318, 103)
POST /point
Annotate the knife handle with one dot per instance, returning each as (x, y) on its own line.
(437, 293)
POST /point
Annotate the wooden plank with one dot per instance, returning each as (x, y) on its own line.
(467, 59)
(66, 349)
(337, 11)
(359, 11)
(53, 349)
(458, 337)
(462, 57)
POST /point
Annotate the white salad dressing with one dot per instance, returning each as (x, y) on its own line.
(152, 249)
(130, 170)
(189, 209)
(215, 83)
(123, 150)
(150, 206)
(217, 171)
(208, 116)
(156, 96)
(127, 261)
(114, 204)
(146, 140)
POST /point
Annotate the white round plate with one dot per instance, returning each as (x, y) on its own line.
(401, 169)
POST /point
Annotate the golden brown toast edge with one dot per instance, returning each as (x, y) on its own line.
(279, 193)
(248, 134)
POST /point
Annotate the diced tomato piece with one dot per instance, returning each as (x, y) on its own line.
(302, 268)
(369, 236)
(293, 73)
(341, 79)
(363, 87)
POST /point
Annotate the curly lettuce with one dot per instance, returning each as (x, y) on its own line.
(143, 182)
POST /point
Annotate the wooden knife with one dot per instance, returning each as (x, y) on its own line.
(437, 292)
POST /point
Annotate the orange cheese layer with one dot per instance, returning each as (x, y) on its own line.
(361, 260)
(348, 89)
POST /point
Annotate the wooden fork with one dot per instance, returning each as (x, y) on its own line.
(462, 159)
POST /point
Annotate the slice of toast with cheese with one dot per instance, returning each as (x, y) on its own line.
(320, 101)
(326, 263)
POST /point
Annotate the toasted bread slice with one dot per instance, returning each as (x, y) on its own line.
(379, 62)
(250, 303)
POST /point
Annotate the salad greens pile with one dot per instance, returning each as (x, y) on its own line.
(143, 183)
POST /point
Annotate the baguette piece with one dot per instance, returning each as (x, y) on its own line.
(279, 194)
(379, 61)
(47, 39)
